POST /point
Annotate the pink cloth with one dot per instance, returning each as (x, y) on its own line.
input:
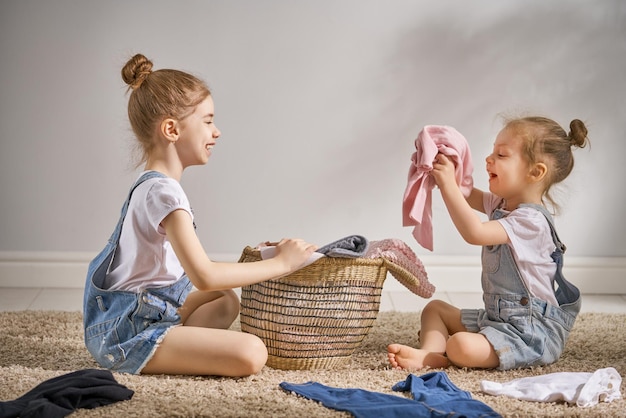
(399, 253)
(417, 202)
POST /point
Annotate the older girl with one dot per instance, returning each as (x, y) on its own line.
(140, 312)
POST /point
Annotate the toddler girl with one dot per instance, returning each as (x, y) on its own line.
(525, 321)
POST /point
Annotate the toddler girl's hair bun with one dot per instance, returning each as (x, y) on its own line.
(136, 70)
(578, 133)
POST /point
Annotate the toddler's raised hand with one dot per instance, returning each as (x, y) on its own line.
(443, 171)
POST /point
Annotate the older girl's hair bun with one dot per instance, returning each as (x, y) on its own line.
(136, 70)
(578, 133)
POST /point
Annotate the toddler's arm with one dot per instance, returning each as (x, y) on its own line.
(475, 200)
(467, 222)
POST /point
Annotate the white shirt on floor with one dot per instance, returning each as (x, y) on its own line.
(582, 389)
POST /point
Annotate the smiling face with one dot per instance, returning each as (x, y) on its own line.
(198, 135)
(508, 169)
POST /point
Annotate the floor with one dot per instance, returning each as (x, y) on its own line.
(70, 299)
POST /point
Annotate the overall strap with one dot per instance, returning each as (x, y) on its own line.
(118, 229)
(98, 267)
(557, 242)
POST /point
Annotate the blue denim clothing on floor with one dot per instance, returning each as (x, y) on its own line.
(123, 329)
(524, 331)
(434, 395)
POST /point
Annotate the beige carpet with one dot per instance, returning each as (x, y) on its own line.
(36, 346)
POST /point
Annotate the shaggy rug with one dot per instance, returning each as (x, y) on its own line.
(36, 346)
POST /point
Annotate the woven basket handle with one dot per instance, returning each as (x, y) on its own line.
(416, 280)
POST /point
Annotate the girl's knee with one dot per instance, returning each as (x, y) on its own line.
(435, 307)
(456, 349)
(254, 356)
(232, 302)
(227, 306)
(466, 349)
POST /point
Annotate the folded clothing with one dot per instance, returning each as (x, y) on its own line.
(352, 246)
(60, 396)
(269, 251)
(402, 260)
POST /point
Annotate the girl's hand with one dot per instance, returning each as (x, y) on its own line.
(443, 171)
(294, 252)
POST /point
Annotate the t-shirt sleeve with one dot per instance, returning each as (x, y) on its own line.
(165, 196)
(491, 202)
(528, 232)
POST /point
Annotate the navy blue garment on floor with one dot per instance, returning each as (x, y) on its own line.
(62, 395)
(434, 395)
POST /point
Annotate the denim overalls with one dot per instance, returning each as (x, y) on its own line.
(523, 330)
(123, 329)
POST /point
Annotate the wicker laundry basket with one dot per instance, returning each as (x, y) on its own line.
(315, 317)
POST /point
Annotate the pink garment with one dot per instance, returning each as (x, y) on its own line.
(399, 254)
(417, 202)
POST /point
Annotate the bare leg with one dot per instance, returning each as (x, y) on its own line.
(203, 345)
(439, 320)
(468, 349)
(217, 309)
(203, 351)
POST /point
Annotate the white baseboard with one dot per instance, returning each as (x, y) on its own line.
(595, 275)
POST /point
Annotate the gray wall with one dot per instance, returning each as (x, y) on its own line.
(318, 102)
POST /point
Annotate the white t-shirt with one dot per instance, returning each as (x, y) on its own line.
(531, 243)
(144, 257)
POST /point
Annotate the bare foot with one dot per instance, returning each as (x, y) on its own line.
(409, 358)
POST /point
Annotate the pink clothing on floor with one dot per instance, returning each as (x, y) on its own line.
(417, 201)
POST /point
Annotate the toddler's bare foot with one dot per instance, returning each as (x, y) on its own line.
(409, 358)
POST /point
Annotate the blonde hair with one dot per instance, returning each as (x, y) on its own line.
(547, 142)
(157, 95)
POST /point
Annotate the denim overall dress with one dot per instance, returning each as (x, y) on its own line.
(123, 329)
(523, 330)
